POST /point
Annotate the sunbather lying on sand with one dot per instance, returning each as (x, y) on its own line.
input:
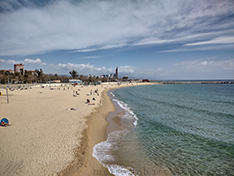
(71, 109)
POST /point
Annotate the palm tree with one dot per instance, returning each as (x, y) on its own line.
(73, 74)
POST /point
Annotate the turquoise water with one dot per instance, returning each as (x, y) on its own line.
(181, 130)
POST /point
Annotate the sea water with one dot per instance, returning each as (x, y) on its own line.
(181, 129)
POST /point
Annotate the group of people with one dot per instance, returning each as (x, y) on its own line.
(96, 91)
(75, 93)
(89, 103)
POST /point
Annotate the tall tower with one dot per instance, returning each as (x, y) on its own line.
(116, 73)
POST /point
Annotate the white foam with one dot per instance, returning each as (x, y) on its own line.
(129, 113)
(112, 94)
(103, 153)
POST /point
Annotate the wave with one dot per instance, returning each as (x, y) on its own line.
(190, 107)
(105, 151)
(112, 94)
(128, 112)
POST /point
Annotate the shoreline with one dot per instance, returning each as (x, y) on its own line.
(95, 136)
(60, 140)
(91, 136)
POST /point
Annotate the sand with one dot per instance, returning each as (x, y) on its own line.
(47, 137)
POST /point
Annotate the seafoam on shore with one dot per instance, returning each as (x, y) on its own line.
(104, 151)
(183, 129)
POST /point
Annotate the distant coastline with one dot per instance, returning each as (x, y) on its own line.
(195, 81)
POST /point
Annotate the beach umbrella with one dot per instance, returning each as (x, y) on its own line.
(5, 120)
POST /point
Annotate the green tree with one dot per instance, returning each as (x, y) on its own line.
(40, 75)
(73, 74)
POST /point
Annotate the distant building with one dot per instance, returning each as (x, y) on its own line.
(34, 73)
(75, 81)
(19, 68)
(116, 73)
(112, 75)
(145, 80)
(10, 71)
(55, 81)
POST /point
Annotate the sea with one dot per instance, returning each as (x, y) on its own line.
(171, 129)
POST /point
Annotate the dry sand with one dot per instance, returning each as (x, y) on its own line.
(46, 138)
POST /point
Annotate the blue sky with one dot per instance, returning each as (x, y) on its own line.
(155, 39)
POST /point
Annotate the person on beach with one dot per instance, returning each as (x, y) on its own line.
(5, 122)
(74, 93)
(71, 109)
(89, 103)
(96, 91)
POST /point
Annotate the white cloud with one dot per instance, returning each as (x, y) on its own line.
(219, 40)
(102, 48)
(183, 38)
(86, 50)
(199, 48)
(205, 68)
(94, 70)
(31, 61)
(126, 69)
(91, 57)
(25, 61)
(207, 62)
(91, 25)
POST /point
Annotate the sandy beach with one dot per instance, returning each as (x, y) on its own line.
(53, 131)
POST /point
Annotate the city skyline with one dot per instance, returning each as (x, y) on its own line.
(145, 39)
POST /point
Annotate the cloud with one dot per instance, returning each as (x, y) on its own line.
(25, 61)
(102, 48)
(31, 61)
(198, 48)
(126, 69)
(94, 70)
(91, 57)
(30, 27)
(200, 69)
(184, 39)
(205, 68)
(219, 40)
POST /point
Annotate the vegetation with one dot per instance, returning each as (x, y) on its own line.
(38, 76)
(73, 74)
(31, 77)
